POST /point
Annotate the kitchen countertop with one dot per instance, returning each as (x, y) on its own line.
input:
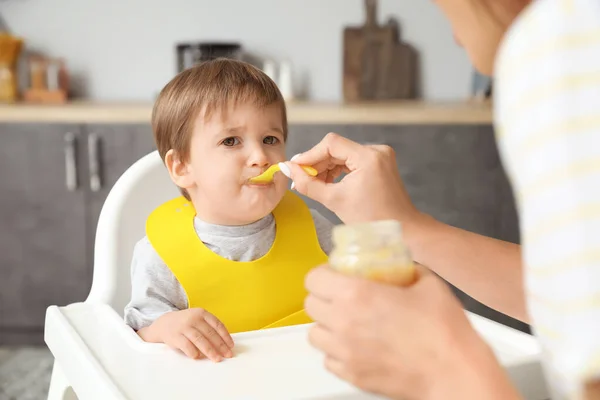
(375, 113)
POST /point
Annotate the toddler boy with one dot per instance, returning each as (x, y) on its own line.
(228, 256)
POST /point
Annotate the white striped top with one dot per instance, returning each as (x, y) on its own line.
(547, 107)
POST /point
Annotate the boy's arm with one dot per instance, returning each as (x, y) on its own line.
(154, 289)
(324, 229)
(159, 313)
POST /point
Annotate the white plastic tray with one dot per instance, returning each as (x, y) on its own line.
(104, 359)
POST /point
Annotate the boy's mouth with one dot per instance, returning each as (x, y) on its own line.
(261, 184)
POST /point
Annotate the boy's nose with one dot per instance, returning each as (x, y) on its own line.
(259, 158)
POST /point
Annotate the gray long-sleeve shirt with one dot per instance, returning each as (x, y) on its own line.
(156, 291)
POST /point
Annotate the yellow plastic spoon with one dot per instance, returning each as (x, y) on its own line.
(268, 175)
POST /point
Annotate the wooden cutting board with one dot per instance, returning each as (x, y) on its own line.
(377, 65)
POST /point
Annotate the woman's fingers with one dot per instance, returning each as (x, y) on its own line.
(327, 283)
(321, 338)
(319, 310)
(333, 149)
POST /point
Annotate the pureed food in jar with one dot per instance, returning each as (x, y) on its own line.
(373, 250)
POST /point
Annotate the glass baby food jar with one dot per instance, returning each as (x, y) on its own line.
(373, 250)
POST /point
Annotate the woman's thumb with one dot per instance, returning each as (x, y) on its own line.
(307, 185)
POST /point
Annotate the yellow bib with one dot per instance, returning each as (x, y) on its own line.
(245, 296)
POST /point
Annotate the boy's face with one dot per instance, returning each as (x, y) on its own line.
(228, 149)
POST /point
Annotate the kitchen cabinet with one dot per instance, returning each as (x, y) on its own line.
(54, 179)
(42, 215)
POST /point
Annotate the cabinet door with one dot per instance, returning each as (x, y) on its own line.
(113, 149)
(42, 215)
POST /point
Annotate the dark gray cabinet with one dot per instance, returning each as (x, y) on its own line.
(42, 215)
(49, 207)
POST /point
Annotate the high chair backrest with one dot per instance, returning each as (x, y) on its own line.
(144, 186)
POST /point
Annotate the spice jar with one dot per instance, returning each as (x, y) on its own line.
(373, 250)
(38, 71)
(10, 49)
(8, 83)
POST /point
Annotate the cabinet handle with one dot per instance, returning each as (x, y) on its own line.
(95, 181)
(70, 161)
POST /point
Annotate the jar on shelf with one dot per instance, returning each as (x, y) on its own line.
(10, 49)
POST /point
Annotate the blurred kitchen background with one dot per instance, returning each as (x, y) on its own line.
(77, 81)
(124, 50)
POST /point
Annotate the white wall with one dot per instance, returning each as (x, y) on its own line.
(125, 48)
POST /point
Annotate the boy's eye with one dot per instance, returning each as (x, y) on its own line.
(270, 140)
(230, 141)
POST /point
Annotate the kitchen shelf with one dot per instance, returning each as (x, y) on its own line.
(373, 113)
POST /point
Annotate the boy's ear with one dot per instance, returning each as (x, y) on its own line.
(179, 171)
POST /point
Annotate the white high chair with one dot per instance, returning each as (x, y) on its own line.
(144, 186)
(98, 357)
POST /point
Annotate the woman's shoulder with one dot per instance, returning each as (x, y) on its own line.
(547, 26)
(547, 55)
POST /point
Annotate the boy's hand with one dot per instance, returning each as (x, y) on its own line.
(194, 331)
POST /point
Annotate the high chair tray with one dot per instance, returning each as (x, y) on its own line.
(102, 358)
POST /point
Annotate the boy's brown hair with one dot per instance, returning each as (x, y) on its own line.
(211, 85)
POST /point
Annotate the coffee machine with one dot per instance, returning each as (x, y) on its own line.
(190, 54)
